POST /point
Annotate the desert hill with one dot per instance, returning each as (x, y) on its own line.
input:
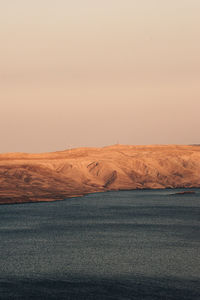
(58, 175)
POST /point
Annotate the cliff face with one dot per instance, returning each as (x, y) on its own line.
(54, 176)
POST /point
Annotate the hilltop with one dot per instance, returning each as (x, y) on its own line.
(55, 176)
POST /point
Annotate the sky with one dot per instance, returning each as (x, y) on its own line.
(96, 73)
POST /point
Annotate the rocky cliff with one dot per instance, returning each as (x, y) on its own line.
(55, 176)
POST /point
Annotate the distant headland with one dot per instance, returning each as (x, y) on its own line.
(58, 175)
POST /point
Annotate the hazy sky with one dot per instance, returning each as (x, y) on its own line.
(93, 73)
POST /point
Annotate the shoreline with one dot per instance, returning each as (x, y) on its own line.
(67, 174)
(97, 192)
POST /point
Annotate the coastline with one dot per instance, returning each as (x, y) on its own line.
(66, 174)
(185, 190)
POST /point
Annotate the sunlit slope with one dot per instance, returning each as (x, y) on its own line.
(53, 176)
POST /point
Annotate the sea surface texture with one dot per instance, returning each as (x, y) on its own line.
(115, 245)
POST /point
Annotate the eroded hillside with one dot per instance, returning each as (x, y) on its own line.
(55, 176)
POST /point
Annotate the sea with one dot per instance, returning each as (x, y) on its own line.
(142, 244)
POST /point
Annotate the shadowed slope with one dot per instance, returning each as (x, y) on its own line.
(52, 176)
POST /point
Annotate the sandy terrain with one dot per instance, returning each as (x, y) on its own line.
(55, 176)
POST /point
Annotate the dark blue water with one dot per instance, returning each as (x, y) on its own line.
(115, 245)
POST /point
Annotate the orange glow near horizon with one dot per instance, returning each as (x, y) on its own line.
(93, 73)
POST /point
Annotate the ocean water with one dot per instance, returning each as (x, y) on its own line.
(114, 245)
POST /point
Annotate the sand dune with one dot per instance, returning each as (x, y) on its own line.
(58, 175)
